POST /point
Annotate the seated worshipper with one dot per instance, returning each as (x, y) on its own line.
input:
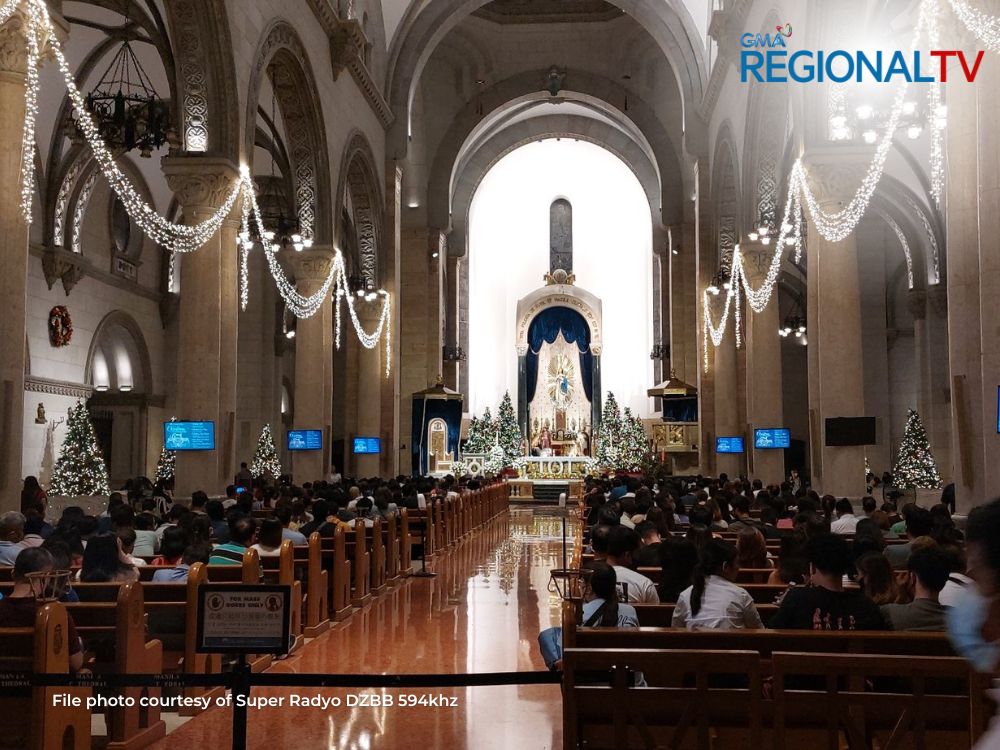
(957, 580)
(104, 561)
(601, 609)
(599, 541)
(34, 528)
(741, 511)
(928, 572)
(868, 505)
(146, 541)
(283, 514)
(678, 558)
(197, 552)
(241, 535)
(173, 517)
(649, 553)
(127, 537)
(175, 541)
(11, 536)
(918, 523)
(792, 567)
(751, 549)
(269, 538)
(846, 520)
(876, 579)
(713, 600)
(32, 590)
(699, 535)
(623, 544)
(216, 513)
(825, 605)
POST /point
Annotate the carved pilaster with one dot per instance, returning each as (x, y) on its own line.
(13, 45)
(916, 301)
(200, 182)
(309, 268)
(62, 265)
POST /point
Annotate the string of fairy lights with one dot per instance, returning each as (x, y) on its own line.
(40, 36)
(834, 227)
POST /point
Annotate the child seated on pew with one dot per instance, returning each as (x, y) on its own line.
(34, 586)
(198, 551)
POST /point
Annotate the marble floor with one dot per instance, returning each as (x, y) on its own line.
(482, 613)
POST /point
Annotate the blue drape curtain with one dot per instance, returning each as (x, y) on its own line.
(545, 328)
(450, 410)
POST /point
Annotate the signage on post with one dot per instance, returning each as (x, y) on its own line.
(243, 618)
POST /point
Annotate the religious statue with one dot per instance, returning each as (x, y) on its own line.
(40, 414)
(582, 443)
(545, 440)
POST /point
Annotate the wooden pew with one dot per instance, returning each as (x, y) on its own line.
(32, 722)
(661, 615)
(375, 544)
(117, 631)
(280, 570)
(405, 543)
(339, 570)
(601, 708)
(317, 589)
(357, 551)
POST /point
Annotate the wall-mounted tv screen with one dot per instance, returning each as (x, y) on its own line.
(842, 431)
(775, 437)
(366, 445)
(305, 440)
(729, 445)
(189, 436)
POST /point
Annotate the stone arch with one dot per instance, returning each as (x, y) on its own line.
(359, 188)
(282, 57)
(118, 334)
(206, 76)
(665, 149)
(424, 26)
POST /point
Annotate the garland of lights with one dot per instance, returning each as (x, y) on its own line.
(837, 226)
(174, 237)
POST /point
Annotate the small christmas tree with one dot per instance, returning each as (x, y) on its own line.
(265, 460)
(482, 434)
(80, 469)
(609, 436)
(166, 465)
(508, 431)
(915, 467)
(633, 441)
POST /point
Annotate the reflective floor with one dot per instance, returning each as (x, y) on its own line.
(482, 613)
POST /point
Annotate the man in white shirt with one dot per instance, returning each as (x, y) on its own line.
(633, 587)
(846, 521)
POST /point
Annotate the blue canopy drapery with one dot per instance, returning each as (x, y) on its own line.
(433, 403)
(545, 328)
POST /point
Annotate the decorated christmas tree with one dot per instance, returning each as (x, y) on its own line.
(482, 434)
(265, 460)
(915, 467)
(508, 431)
(80, 469)
(166, 465)
(609, 436)
(633, 441)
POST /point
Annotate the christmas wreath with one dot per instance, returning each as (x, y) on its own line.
(60, 326)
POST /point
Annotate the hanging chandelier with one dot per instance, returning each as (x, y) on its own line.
(125, 106)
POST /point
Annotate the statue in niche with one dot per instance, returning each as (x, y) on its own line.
(561, 235)
(40, 414)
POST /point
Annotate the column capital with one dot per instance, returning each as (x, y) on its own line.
(310, 266)
(916, 301)
(200, 182)
(937, 298)
(834, 181)
(14, 44)
(757, 259)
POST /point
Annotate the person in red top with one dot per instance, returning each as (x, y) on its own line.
(20, 609)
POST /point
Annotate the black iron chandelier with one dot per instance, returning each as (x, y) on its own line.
(125, 106)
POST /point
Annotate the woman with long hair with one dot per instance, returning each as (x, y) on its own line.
(603, 608)
(876, 579)
(751, 549)
(713, 599)
(269, 538)
(105, 562)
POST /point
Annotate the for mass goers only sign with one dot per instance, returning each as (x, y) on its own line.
(243, 618)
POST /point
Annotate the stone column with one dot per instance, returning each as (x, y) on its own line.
(452, 276)
(371, 371)
(206, 356)
(313, 397)
(836, 385)
(763, 378)
(938, 419)
(393, 456)
(727, 421)
(14, 259)
(916, 302)
(699, 266)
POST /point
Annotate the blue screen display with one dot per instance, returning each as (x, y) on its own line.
(305, 440)
(777, 437)
(729, 445)
(189, 436)
(367, 445)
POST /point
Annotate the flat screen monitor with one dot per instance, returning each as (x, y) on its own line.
(729, 445)
(775, 437)
(189, 436)
(366, 445)
(841, 431)
(305, 440)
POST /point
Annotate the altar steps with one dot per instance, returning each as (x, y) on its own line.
(549, 492)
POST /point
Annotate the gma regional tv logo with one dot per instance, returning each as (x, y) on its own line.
(765, 58)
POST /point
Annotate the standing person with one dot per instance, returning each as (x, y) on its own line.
(32, 494)
(244, 478)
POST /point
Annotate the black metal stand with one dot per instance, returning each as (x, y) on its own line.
(423, 572)
(241, 687)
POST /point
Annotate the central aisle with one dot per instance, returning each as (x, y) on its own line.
(482, 613)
